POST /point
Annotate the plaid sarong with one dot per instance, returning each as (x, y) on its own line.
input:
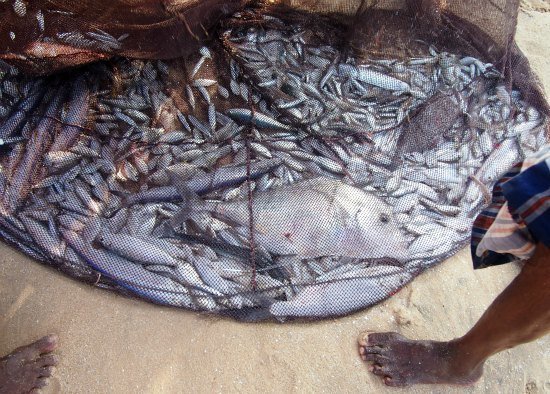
(518, 216)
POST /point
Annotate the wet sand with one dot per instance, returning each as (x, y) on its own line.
(110, 344)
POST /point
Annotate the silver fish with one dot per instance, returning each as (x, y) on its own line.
(256, 118)
(202, 183)
(354, 224)
(135, 249)
(147, 284)
(343, 296)
(499, 162)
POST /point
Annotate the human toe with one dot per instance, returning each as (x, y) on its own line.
(41, 382)
(46, 344)
(46, 372)
(376, 358)
(48, 360)
(364, 338)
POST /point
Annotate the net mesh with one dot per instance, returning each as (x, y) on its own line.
(276, 159)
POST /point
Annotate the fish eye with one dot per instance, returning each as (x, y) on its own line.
(384, 218)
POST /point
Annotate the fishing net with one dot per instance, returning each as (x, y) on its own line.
(296, 159)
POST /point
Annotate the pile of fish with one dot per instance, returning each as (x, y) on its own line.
(275, 177)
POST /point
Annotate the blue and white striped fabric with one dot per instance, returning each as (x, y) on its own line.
(518, 217)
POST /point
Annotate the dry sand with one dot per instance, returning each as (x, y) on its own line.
(110, 344)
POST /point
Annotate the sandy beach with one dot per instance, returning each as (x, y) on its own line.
(111, 344)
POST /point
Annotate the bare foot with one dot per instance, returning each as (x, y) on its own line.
(27, 368)
(403, 362)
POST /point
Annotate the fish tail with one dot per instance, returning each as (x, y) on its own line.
(191, 201)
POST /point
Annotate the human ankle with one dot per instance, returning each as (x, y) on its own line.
(464, 355)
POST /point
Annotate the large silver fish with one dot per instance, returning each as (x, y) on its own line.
(345, 295)
(313, 218)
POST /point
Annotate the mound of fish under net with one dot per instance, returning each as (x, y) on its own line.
(279, 176)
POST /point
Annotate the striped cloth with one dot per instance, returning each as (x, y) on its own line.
(518, 216)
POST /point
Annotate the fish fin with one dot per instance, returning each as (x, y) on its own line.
(165, 230)
(191, 200)
(180, 217)
(227, 220)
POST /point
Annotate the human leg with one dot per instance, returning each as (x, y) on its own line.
(520, 314)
